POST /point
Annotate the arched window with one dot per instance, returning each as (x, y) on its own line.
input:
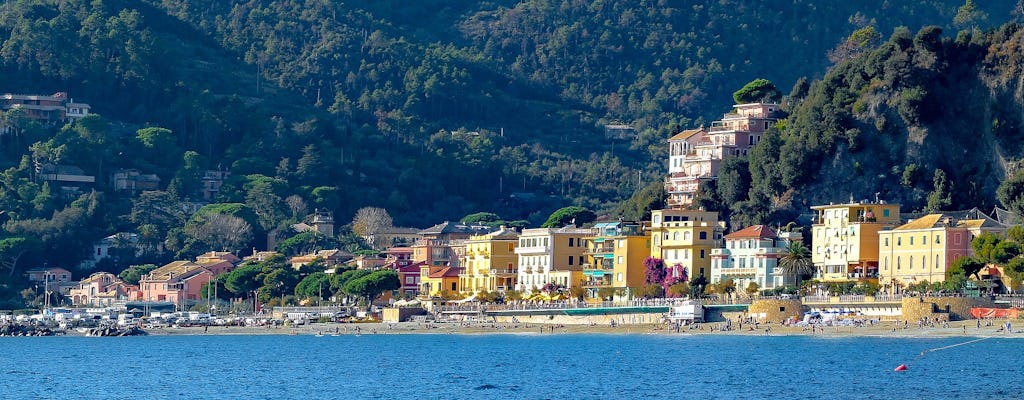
(675, 235)
(686, 235)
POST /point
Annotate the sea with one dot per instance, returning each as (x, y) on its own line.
(509, 366)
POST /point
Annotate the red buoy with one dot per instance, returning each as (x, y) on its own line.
(902, 367)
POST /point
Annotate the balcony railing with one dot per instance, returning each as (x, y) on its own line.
(533, 249)
(504, 271)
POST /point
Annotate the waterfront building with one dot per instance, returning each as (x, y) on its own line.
(923, 249)
(615, 256)
(695, 155)
(490, 263)
(551, 256)
(179, 282)
(751, 255)
(443, 244)
(101, 289)
(685, 238)
(844, 239)
(438, 281)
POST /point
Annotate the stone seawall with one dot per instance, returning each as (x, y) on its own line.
(620, 319)
(775, 310)
(953, 308)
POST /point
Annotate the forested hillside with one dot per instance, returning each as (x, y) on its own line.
(437, 109)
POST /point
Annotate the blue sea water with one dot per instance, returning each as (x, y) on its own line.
(559, 366)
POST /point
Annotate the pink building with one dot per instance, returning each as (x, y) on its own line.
(179, 282)
(410, 277)
(218, 262)
(101, 289)
(695, 155)
(54, 277)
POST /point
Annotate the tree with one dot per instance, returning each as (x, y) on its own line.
(306, 243)
(654, 270)
(726, 286)
(371, 220)
(1011, 192)
(941, 197)
(752, 288)
(989, 247)
(244, 279)
(373, 284)
(134, 273)
(220, 231)
(965, 267)
(313, 285)
(12, 249)
(796, 261)
(757, 90)
(860, 41)
(968, 16)
(480, 218)
(575, 215)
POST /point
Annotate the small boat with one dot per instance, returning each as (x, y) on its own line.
(319, 334)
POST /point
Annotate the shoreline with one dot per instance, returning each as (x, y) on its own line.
(964, 329)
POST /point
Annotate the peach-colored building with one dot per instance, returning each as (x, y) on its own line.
(695, 155)
(179, 282)
(100, 289)
(218, 262)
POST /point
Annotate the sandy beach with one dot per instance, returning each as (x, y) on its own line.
(883, 329)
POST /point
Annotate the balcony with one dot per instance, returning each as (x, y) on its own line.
(600, 250)
(504, 272)
(533, 250)
(738, 271)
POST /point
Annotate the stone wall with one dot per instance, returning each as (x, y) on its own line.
(954, 308)
(776, 310)
(401, 314)
(620, 319)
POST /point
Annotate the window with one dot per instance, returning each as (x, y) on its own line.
(911, 240)
(899, 241)
(703, 236)
(885, 212)
(619, 260)
(885, 264)
(898, 262)
(570, 259)
(886, 242)
(570, 244)
(581, 260)
(618, 277)
(937, 241)
(686, 235)
(956, 239)
(657, 219)
(675, 235)
(702, 253)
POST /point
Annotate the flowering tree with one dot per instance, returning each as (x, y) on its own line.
(655, 270)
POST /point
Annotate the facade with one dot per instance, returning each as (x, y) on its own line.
(218, 262)
(685, 238)
(409, 275)
(615, 256)
(844, 239)
(330, 258)
(548, 255)
(101, 289)
(69, 179)
(179, 282)
(751, 255)
(52, 278)
(438, 281)
(923, 249)
(134, 181)
(444, 244)
(54, 108)
(212, 181)
(490, 263)
(695, 155)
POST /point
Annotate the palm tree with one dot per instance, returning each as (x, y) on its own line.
(796, 260)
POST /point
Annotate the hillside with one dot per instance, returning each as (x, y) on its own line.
(441, 108)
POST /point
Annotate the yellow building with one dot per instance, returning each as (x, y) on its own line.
(490, 262)
(923, 249)
(439, 281)
(615, 256)
(685, 237)
(844, 239)
(548, 255)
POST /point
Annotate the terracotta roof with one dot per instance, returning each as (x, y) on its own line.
(217, 256)
(445, 272)
(175, 269)
(687, 134)
(926, 222)
(753, 232)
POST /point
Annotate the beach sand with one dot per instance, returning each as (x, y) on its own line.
(883, 329)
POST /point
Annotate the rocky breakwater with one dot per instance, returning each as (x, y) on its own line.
(115, 331)
(15, 329)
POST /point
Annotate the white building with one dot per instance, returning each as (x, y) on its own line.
(752, 255)
(548, 255)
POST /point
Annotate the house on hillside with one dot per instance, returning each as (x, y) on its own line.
(330, 258)
(218, 262)
(52, 109)
(132, 181)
